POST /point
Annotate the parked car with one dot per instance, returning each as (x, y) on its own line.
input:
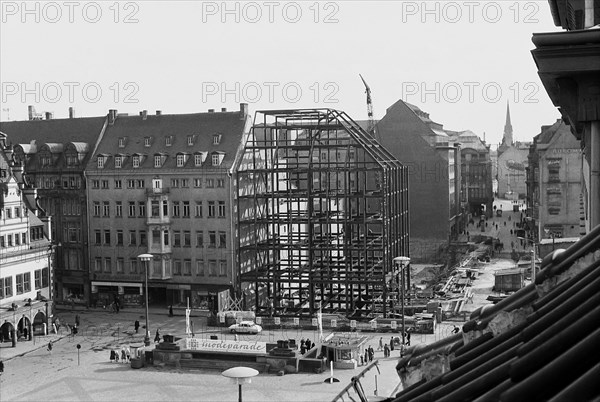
(245, 327)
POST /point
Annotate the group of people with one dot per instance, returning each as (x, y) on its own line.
(125, 355)
(305, 345)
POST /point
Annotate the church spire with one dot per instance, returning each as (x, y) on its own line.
(507, 139)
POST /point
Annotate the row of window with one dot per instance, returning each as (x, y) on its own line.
(13, 239)
(180, 267)
(175, 183)
(160, 159)
(169, 139)
(179, 209)
(68, 182)
(14, 212)
(216, 239)
(23, 283)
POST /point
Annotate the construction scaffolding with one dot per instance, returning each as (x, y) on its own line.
(322, 210)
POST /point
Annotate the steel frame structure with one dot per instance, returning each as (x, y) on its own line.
(322, 210)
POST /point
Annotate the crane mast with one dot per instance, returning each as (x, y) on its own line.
(371, 121)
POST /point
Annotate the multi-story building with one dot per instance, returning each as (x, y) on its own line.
(162, 184)
(569, 66)
(555, 186)
(25, 255)
(433, 160)
(54, 154)
(476, 173)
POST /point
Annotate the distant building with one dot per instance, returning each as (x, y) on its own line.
(54, 153)
(476, 173)
(25, 255)
(511, 165)
(555, 194)
(433, 160)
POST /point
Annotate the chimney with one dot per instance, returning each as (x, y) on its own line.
(159, 112)
(31, 111)
(112, 116)
(223, 109)
(144, 114)
(48, 115)
(243, 110)
(71, 112)
(211, 110)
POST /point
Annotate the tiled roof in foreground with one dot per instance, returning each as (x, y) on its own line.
(541, 343)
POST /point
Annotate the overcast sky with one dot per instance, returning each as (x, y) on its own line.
(460, 61)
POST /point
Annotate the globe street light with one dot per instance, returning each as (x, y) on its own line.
(146, 258)
(241, 375)
(401, 261)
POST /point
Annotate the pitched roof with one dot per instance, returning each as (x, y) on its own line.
(202, 126)
(541, 343)
(61, 131)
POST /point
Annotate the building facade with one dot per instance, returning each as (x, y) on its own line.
(54, 154)
(511, 164)
(25, 255)
(162, 184)
(557, 189)
(568, 64)
(433, 162)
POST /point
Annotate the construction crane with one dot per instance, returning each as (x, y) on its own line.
(371, 127)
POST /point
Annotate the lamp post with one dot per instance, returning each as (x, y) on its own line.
(401, 261)
(146, 258)
(532, 256)
(240, 375)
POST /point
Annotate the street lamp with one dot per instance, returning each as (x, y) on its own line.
(240, 375)
(401, 261)
(532, 256)
(146, 258)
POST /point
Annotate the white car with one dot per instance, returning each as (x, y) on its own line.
(245, 327)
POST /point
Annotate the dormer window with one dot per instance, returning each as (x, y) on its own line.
(45, 161)
(136, 161)
(181, 159)
(217, 158)
(147, 141)
(190, 140)
(159, 160)
(122, 142)
(216, 139)
(198, 159)
(72, 160)
(168, 140)
(101, 160)
(118, 161)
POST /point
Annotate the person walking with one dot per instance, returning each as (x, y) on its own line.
(77, 319)
(128, 353)
(157, 336)
(50, 347)
(407, 338)
(136, 325)
(392, 344)
(171, 311)
(380, 347)
(386, 350)
(1, 367)
(112, 355)
(371, 353)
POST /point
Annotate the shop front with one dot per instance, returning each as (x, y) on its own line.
(344, 350)
(129, 294)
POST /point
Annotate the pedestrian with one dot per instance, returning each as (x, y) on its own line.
(171, 311)
(362, 360)
(366, 356)
(128, 353)
(302, 347)
(77, 319)
(157, 336)
(136, 325)
(25, 332)
(1, 367)
(371, 353)
(386, 351)
(380, 347)
(116, 356)
(50, 347)
(407, 338)
(308, 344)
(123, 355)
(392, 344)
(511, 232)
